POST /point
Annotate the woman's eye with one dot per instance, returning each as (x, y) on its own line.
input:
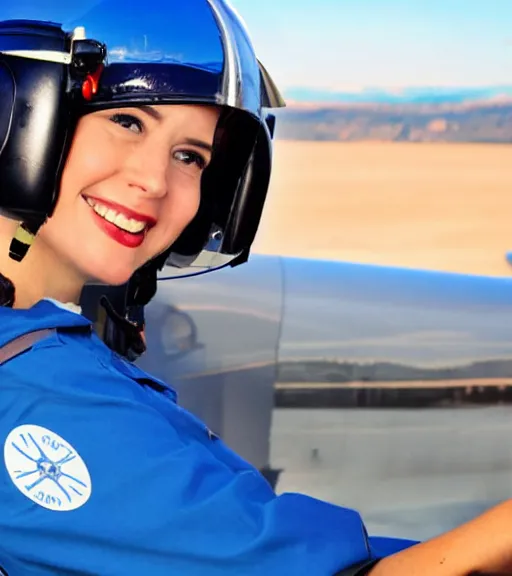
(189, 157)
(128, 121)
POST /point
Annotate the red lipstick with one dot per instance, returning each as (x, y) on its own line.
(123, 237)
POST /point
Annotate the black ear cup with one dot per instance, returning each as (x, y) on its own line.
(34, 128)
(44, 73)
(8, 92)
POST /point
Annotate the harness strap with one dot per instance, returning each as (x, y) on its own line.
(22, 344)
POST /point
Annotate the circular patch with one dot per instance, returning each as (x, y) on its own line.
(46, 468)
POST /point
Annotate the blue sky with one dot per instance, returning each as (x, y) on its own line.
(350, 44)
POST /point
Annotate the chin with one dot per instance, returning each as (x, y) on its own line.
(111, 274)
(113, 279)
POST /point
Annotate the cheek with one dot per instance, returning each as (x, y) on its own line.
(92, 158)
(185, 202)
(179, 208)
(85, 166)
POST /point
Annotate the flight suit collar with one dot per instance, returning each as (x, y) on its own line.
(46, 314)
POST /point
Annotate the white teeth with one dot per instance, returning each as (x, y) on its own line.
(110, 215)
(119, 220)
(128, 224)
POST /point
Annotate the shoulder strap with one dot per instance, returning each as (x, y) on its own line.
(22, 344)
(359, 570)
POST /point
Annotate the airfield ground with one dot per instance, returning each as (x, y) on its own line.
(433, 206)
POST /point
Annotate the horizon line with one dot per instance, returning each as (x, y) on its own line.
(390, 87)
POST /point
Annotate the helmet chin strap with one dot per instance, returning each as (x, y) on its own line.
(121, 321)
(122, 328)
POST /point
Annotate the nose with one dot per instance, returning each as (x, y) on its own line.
(147, 166)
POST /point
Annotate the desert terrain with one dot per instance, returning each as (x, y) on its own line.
(437, 206)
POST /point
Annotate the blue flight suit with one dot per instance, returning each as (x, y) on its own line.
(103, 473)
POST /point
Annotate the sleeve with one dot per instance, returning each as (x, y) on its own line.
(141, 494)
(380, 548)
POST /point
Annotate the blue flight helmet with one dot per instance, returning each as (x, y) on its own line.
(61, 60)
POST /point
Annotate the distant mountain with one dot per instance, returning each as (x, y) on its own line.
(413, 95)
(414, 115)
(345, 372)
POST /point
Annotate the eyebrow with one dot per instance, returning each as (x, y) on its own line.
(150, 111)
(199, 143)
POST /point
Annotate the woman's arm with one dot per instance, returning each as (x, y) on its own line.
(480, 547)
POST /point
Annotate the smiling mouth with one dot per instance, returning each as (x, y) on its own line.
(130, 225)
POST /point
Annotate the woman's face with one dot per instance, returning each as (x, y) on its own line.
(130, 186)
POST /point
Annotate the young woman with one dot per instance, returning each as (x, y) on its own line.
(130, 138)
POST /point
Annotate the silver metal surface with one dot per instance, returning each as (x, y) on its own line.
(413, 471)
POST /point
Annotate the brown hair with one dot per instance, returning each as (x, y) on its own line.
(7, 292)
